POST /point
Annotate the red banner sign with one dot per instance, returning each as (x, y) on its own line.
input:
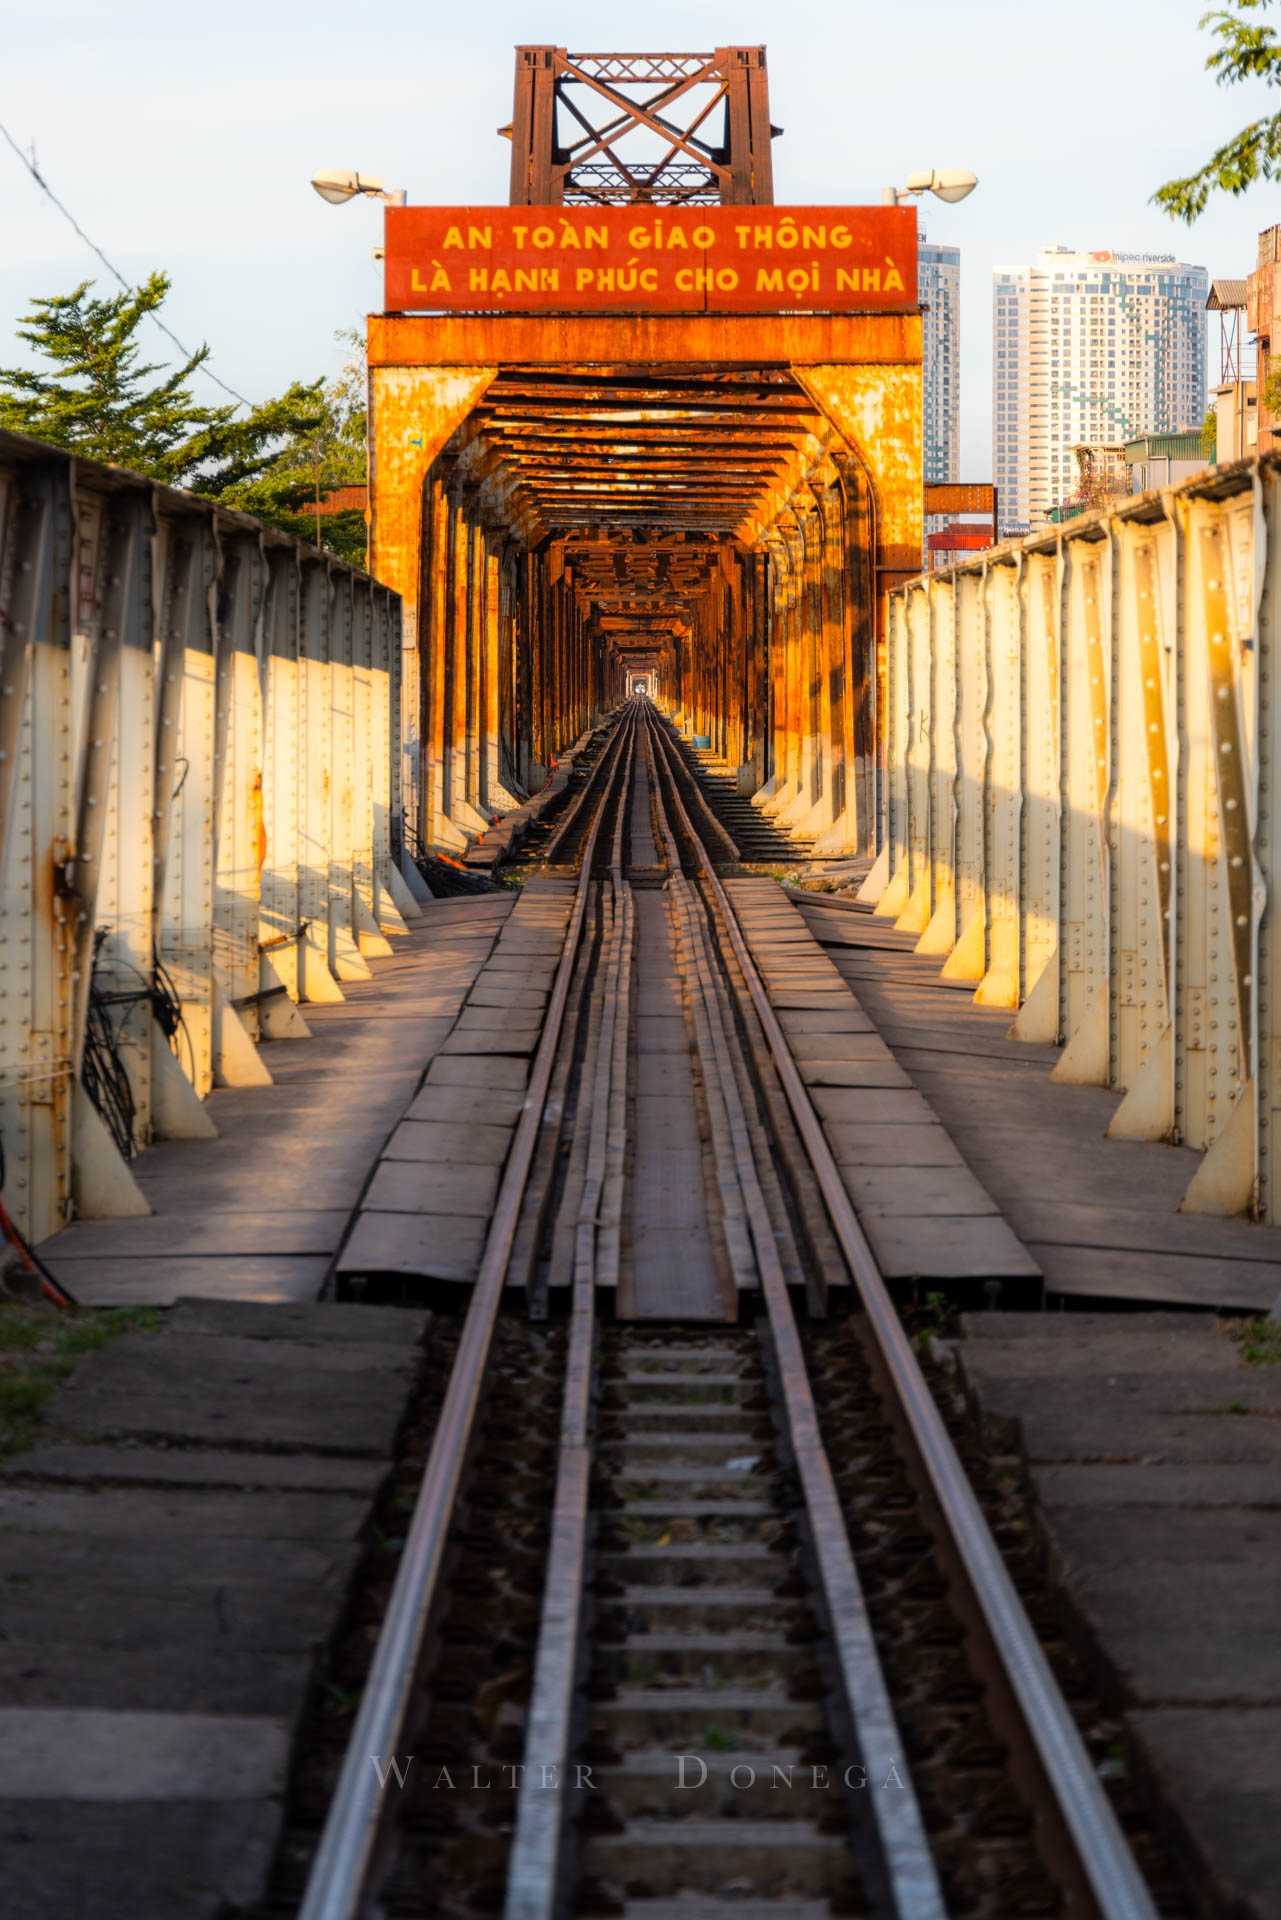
(651, 259)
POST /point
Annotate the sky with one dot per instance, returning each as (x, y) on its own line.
(185, 138)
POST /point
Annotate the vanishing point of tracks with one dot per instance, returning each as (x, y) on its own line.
(745, 1675)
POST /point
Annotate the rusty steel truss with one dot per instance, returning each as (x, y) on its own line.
(617, 128)
(717, 500)
(199, 806)
(1082, 808)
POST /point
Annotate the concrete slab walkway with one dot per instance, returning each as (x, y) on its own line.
(173, 1556)
(426, 1211)
(925, 1214)
(1155, 1455)
(258, 1213)
(1099, 1216)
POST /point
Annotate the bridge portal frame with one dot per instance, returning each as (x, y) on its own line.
(862, 373)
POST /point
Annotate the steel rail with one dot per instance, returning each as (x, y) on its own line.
(1108, 1876)
(904, 1863)
(337, 1883)
(578, 804)
(536, 1859)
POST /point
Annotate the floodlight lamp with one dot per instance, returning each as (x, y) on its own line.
(953, 185)
(950, 186)
(340, 184)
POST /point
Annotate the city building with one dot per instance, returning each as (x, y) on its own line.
(1263, 317)
(1236, 419)
(1164, 459)
(938, 282)
(1092, 349)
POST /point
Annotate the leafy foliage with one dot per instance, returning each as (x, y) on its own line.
(1260, 1342)
(1245, 50)
(40, 1347)
(96, 396)
(1210, 432)
(315, 460)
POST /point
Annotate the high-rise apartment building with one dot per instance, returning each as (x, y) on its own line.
(938, 281)
(1088, 348)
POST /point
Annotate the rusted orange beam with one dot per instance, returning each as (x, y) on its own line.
(948, 496)
(631, 340)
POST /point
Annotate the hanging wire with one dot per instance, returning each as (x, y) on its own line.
(93, 247)
(166, 1004)
(157, 991)
(103, 1073)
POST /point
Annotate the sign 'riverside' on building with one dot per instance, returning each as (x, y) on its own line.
(651, 259)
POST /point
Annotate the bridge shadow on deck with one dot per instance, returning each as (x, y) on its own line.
(1100, 1216)
(258, 1213)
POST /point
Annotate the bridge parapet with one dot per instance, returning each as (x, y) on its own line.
(1082, 808)
(199, 804)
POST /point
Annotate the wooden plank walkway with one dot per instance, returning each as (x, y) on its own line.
(1100, 1216)
(258, 1213)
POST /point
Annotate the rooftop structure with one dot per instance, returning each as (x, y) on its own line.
(1089, 347)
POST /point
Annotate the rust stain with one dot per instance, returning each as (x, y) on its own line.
(257, 821)
(644, 339)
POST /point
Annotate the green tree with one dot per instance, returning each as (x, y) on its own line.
(316, 459)
(95, 394)
(1244, 50)
(1210, 433)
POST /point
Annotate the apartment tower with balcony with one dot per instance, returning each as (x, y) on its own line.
(939, 287)
(1089, 349)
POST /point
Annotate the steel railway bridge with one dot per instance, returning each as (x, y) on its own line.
(419, 937)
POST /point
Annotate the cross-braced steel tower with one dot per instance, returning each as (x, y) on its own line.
(674, 129)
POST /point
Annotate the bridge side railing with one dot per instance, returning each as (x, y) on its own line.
(1082, 807)
(198, 795)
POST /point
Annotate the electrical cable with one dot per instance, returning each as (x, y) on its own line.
(104, 1076)
(103, 1073)
(158, 992)
(93, 247)
(166, 1004)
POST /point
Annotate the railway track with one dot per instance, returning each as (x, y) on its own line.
(717, 1712)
